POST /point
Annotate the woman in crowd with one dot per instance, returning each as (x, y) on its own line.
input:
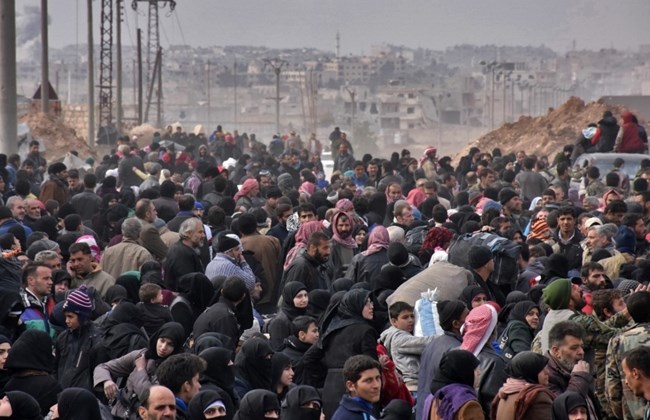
(522, 324)
(525, 395)
(220, 375)
(18, 405)
(302, 403)
(209, 404)
(281, 375)
(139, 367)
(259, 404)
(253, 366)
(453, 394)
(366, 265)
(473, 296)
(76, 404)
(294, 304)
(570, 406)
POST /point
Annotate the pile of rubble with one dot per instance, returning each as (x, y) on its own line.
(547, 134)
(58, 138)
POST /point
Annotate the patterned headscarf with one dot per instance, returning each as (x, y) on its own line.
(349, 241)
(302, 236)
(249, 185)
(377, 240)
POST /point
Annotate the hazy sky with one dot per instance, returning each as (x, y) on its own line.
(432, 24)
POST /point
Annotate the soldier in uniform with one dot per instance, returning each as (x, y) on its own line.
(624, 404)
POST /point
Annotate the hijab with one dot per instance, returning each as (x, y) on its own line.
(212, 339)
(567, 402)
(302, 236)
(198, 289)
(219, 371)
(526, 365)
(390, 200)
(469, 293)
(318, 301)
(279, 362)
(292, 407)
(377, 240)
(78, 404)
(256, 403)
(456, 367)
(31, 351)
(252, 365)
(205, 399)
(520, 310)
(346, 312)
(347, 242)
(23, 406)
(132, 285)
(172, 330)
(289, 292)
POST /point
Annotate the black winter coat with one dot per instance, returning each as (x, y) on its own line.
(220, 317)
(367, 267)
(181, 260)
(73, 365)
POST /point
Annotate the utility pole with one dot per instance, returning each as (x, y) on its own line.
(8, 111)
(118, 63)
(91, 76)
(45, 65)
(276, 64)
(207, 76)
(160, 92)
(140, 81)
(106, 69)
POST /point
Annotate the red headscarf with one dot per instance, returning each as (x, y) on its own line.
(349, 241)
(307, 188)
(302, 236)
(416, 197)
(390, 200)
(377, 241)
(246, 187)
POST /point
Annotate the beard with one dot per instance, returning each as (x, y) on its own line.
(320, 257)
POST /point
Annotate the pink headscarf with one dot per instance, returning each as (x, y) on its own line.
(428, 152)
(416, 197)
(246, 187)
(479, 325)
(345, 205)
(377, 241)
(302, 236)
(348, 242)
(390, 200)
(307, 188)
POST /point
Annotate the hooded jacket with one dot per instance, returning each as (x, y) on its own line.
(405, 349)
(629, 140)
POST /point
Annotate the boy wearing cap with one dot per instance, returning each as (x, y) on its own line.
(73, 366)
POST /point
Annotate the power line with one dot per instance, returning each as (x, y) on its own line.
(180, 27)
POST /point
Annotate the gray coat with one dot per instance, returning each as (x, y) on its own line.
(136, 383)
(405, 350)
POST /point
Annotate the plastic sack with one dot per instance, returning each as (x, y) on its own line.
(427, 322)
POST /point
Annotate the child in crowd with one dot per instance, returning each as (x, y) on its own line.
(154, 313)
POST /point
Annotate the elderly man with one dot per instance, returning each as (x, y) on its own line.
(230, 261)
(183, 257)
(600, 238)
(128, 255)
(33, 212)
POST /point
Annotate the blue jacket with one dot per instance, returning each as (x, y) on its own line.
(353, 409)
(13, 222)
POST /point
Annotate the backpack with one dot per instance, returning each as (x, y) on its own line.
(414, 239)
(505, 253)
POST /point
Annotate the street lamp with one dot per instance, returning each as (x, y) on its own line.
(490, 67)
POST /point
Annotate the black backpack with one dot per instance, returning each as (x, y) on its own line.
(505, 252)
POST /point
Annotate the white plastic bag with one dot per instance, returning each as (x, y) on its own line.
(427, 322)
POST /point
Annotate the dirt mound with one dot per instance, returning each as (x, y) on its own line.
(58, 137)
(547, 134)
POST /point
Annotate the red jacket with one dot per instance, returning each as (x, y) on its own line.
(631, 142)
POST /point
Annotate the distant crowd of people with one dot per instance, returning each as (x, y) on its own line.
(200, 277)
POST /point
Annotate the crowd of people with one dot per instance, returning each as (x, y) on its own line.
(200, 277)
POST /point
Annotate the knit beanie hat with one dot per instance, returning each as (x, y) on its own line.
(226, 243)
(539, 229)
(79, 302)
(448, 311)
(397, 254)
(506, 194)
(479, 325)
(625, 240)
(479, 255)
(557, 294)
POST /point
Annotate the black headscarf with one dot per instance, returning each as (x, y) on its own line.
(512, 299)
(527, 365)
(219, 371)
(469, 293)
(318, 301)
(256, 403)
(456, 367)
(566, 402)
(123, 323)
(132, 285)
(212, 339)
(11, 306)
(279, 362)
(297, 397)
(172, 330)
(342, 284)
(520, 310)
(556, 265)
(32, 351)
(252, 365)
(396, 410)
(346, 312)
(115, 294)
(203, 400)
(289, 292)
(47, 224)
(78, 404)
(198, 289)
(23, 406)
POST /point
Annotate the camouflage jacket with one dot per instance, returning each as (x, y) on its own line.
(622, 401)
